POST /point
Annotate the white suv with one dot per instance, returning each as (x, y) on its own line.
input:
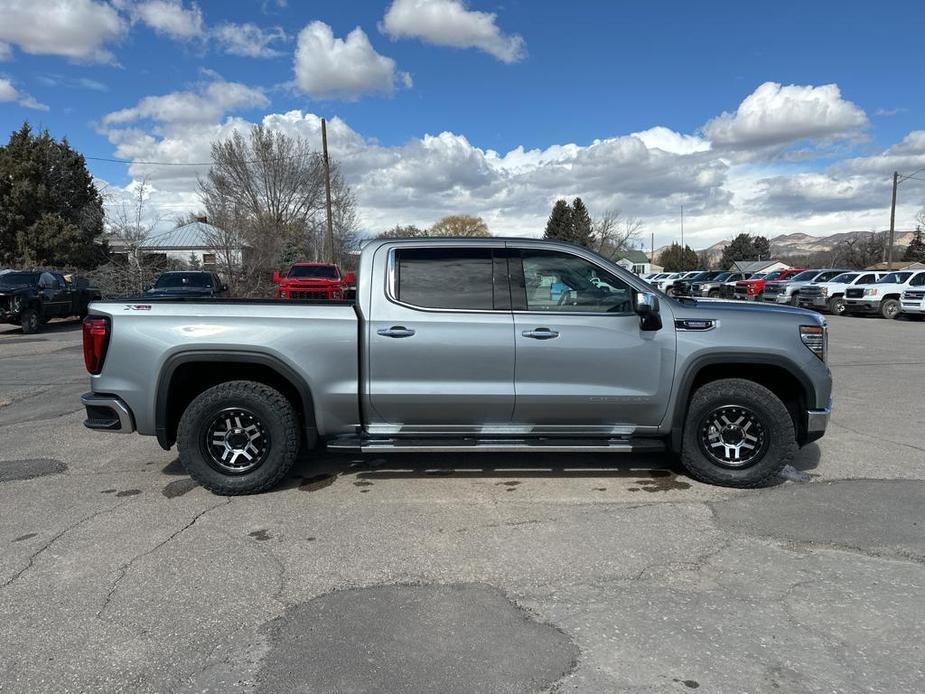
(830, 295)
(883, 297)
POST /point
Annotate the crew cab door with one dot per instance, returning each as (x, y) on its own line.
(440, 341)
(583, 363)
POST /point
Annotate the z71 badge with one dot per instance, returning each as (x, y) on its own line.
(137, 307)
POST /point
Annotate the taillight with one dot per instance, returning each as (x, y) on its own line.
(96, 340)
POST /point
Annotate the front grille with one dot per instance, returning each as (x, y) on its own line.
(914, 296)
(854, 293)
(811, 291)
(316, 294)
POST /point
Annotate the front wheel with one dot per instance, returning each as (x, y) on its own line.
(737, 434)
(238, 437)
(837, 306)
(889, 308)
(30, 321)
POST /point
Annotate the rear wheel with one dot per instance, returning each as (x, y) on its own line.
(737, 434)
(837, 305)
(889, 308)
(239, 437)
(30, 321)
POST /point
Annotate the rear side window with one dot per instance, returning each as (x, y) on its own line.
(918, 280)
(451, 278)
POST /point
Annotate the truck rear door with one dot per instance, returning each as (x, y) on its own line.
(440, 340)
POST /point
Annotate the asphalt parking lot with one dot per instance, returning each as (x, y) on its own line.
(434, 573)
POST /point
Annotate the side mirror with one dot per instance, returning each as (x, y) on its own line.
(350, 278)
(276, 278)
(646, 306)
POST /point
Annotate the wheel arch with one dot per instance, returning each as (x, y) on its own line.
(778, 374)
(187, 374)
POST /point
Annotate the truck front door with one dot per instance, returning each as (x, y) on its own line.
(583, 364)
(440, 341)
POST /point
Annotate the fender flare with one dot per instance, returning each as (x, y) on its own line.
(686, 382)
(166, 439)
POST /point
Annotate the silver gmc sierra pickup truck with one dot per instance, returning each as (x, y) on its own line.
(479, 345)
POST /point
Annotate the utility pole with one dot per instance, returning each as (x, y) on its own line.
(892, 221)
(682, 227)
(329, 236)
(652, 249)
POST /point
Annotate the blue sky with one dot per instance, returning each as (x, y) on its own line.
(537, 75)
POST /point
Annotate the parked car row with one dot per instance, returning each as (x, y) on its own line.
(835, 291)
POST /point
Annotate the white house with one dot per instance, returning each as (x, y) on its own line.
(198, 241)
(753, 266)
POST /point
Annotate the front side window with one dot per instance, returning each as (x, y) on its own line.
(826, 276)
(896, 278)
(918, 280)
(561, 282)
(449, 278)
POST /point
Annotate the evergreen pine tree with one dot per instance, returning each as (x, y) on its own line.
(741, 248)
(915, 251)
(559, 225)
(582, 227)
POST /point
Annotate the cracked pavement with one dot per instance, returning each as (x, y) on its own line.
(431, 572)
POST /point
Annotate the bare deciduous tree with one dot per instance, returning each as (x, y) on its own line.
(266, 191)
(615, 234)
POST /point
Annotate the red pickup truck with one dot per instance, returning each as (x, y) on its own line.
(751, 288)
(319, 281)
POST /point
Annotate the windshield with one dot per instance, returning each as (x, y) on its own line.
(722, 277)
(174, 280)
(758, 276)
(772, 275)
(16, 279)
(805, 276)
(895, 278)
(844, 278)
(326, 272)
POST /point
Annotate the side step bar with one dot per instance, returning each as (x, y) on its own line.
(547, 445)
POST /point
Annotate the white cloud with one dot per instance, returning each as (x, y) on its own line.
(776, 115)
(78, 29)
(449, 23)
(170, 18)
(249, 40)
(648, 174)
(8, 92)
(326, 66)
(206, 105)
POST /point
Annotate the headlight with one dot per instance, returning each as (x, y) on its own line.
(815, 338)
(872, 291)
(824, 291)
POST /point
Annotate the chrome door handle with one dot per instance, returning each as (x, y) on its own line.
(541, 334)
(396, 331)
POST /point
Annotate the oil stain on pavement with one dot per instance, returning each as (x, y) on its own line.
(178, 488)
(414, 638)
(15, 470)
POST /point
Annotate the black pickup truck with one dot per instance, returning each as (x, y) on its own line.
(31, 299)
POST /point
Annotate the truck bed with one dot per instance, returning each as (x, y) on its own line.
(317, 342)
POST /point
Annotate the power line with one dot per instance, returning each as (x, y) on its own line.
(111, 160)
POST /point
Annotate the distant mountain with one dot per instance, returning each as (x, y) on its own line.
(799, 243)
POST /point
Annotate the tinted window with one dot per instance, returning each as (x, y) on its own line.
(326, 272)
(15, 279)
(805, 276)
(566, 283)
(918, 280)
(896, 278)
(843, 278)
(457, 278)
(867, 279)
(826, 276)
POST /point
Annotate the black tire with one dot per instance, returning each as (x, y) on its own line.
(264, 409)
(775, 440)
(795, 299)
(713, 293)
(836, 305)
(889, 308)
(30, 321)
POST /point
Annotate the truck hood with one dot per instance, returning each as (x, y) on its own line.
(717, 309)
(180, 291)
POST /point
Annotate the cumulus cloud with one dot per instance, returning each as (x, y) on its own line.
(326, 66)
(648, 174)
(249, 40)
(170, 18)
(8, 92)
(776, 115)
(79, 29)
(450, 23)
(206, 105)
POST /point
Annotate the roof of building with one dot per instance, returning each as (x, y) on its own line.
(634, 256)
(192, 236)
(755, 265)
